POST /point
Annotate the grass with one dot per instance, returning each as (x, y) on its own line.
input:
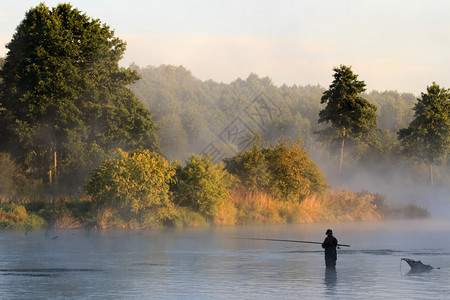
(248, 207)
(241, 208)
(16, 217)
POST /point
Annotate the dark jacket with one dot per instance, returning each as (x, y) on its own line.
(329, 244)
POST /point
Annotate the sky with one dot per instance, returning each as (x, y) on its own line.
(392, 45)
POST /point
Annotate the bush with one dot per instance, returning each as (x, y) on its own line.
(62, 213)
(388, 211)
(201, 185)
(133, 183)
(252, 168)
(294, 175)
(16, 216)
(284, 171)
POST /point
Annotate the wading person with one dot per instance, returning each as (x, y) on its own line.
(329, 244)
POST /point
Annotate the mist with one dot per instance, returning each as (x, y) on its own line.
(400, 184)
(194, 115)
(100, 196)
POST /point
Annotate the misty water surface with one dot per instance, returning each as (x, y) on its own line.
(212, 264)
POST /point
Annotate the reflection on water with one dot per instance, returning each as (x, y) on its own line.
(330, 279)
(213, 264)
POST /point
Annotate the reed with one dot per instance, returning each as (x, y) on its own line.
(345, 205)
(252, 207)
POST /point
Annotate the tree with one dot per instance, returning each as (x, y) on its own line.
(66, 99)
(133, 183)
(2, 62)
(285, 171)
(202, 185)
(428, 135)
(351, 116)
(252, 168)
(294, 175)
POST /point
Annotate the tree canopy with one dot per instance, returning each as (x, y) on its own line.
(191, 112)
(351, 116)
(427, 137)
(285, 171)
(133, 183)
(202, 185)
(65, 93)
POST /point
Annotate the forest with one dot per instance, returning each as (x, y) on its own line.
(87, 143)
(192, 113)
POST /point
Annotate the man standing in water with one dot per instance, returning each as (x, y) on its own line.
(329, 244)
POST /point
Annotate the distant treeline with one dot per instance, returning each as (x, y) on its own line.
(191, 113)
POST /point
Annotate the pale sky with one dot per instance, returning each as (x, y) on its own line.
(392, 45)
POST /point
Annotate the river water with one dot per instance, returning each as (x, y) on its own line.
(215, 263)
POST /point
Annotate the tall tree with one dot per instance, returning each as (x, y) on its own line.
(2, 62)
(428, 136)
(66, 97)
(351, 116)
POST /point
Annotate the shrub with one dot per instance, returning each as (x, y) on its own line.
(16, 216)
(294, 175)
(201, 185)
(284, 171)
(133, 183)
(252, 168)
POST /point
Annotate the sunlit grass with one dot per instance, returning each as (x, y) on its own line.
(242, 207)
(346, 205)
(17, 217)
(250, 207)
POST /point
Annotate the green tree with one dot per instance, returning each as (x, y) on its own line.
(2, 62)
(428, 136)
(202, 185)
(294, 175)
(132, 183)
(284, 171)
(252, 168)
(351, 116)
(62, 89)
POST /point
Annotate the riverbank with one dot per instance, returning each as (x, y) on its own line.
(242, 207)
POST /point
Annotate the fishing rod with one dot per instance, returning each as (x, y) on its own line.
(291, 241)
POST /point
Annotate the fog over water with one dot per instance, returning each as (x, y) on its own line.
(399, 185)
(213, 264)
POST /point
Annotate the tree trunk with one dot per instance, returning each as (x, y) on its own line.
(431, 175)
(54, 160)
(342, 157)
